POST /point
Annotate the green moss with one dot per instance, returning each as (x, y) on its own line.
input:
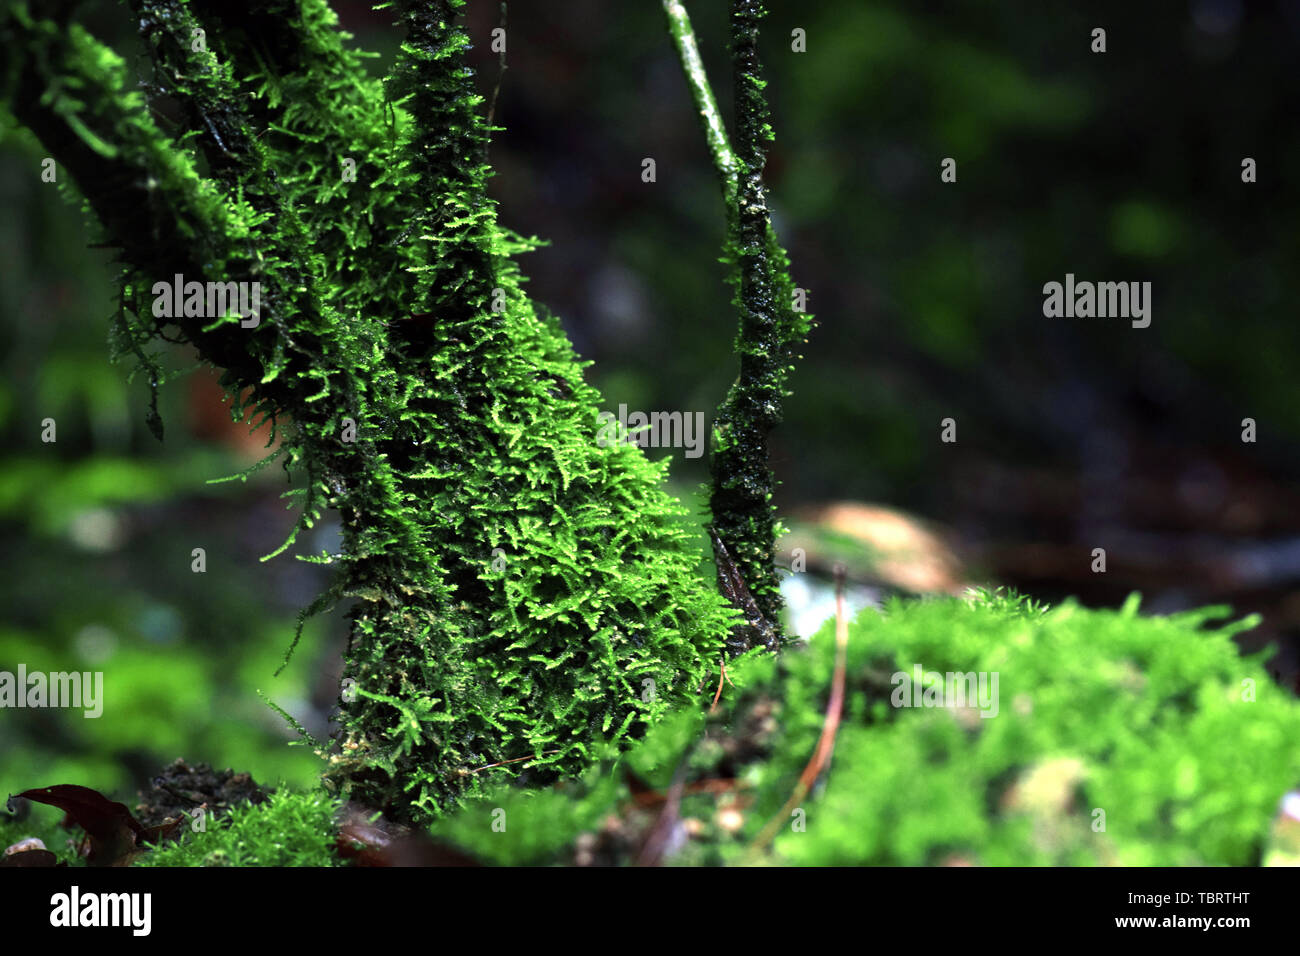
(527, 600)
(770, 332)
(292, 828)
(1147, 719)
(518, 586)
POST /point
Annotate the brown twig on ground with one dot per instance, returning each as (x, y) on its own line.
(502, 763)
(721, 677)
(834, 709)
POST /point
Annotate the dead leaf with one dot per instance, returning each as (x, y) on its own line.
(115, 836)
(39, 858)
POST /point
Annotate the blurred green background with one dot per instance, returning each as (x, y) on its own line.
(1072, 433)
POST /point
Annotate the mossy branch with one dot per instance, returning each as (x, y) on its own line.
(426, 399)
(770, 327)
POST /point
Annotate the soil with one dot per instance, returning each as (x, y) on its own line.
(181, 787)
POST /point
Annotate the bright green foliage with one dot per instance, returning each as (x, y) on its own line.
(518, 827)
(166, 698)
(291, 828)
(1148, 719)
(1144, 718)
(389, 305)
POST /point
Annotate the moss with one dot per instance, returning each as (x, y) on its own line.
(1159, 722)
(1150, 720)
(518, 586)
(292, 828)
(770, 328)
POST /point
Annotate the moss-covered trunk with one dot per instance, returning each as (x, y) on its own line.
(521, 591)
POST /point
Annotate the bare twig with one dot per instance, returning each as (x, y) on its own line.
(502, 763)
(724, 160)
(721, 677)
(492, 107)
(834, 709)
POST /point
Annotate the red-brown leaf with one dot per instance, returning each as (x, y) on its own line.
(113, 832)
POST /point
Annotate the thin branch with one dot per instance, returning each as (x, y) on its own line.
(741, 497)
(721, 677)
(724, 160)
(502, 763)
(496, 91)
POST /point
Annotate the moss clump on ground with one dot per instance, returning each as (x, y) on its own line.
(292, 828)
(1115, 739)
(1185, 745)
(288, 828)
